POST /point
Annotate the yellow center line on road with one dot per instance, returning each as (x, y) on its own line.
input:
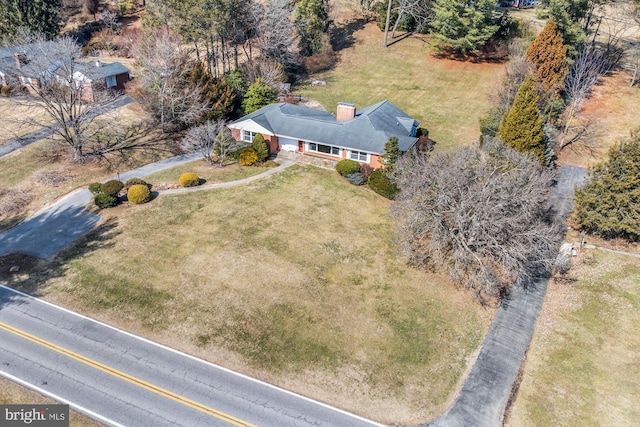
(126, 377)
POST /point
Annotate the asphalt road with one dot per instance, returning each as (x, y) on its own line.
(122, 379)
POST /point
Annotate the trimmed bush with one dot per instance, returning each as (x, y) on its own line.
(134, 181)
(347, 167)
(139, 193)
(366, 170)
(355, 178)
(112, 188)
(270, 164)
(248, 157)
(189, 179)
(5, 90)
(259, 145)
(381, 184)
(95, 188)
(104, 201)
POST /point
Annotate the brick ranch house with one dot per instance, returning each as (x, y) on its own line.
(350, 134)
(23, 66)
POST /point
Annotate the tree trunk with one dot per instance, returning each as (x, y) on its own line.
(386, 25)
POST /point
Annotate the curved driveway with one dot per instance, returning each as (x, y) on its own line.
(57, 226)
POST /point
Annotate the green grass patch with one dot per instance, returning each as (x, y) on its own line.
(584, 370)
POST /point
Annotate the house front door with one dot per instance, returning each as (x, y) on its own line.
(300, 146)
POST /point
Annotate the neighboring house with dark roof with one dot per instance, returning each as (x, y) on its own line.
(113, 76)
(350, 134)
(24, 66)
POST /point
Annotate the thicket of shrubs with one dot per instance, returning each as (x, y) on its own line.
(104, 201)
(112, 187)
(248, 157)
(381, 184)
(138, 193)
(189, 179)
(107, 195)
(347, 167)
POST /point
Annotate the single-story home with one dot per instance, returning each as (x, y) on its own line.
(350, 134)
(25, 66)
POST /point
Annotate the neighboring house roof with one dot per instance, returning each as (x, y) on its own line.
(88, 70)
(368, 131)
(94, 72)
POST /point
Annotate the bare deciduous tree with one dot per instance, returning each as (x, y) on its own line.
(587, 70)
(212, 139)
(164, 67)
(270, 71)
(480, 214)
(66, 90)
(275, 36)
(419, 10)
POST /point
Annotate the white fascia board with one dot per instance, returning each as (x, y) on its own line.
(251, 126)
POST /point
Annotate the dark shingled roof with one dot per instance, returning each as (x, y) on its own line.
(105, 70)
(368, 131)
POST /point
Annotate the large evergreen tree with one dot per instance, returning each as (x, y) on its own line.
(609, 203)
(312, 22)
(549, 54)
(573, 18)
(40, 16)
(522, 127)
(463, 25)
(258, 95)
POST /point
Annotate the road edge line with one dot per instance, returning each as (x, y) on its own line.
(197, 359)
(78, 408)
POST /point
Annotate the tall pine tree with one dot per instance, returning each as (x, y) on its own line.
(462, 26)
(549, 54)
(609, 203)
(40, 16)
(522, 127)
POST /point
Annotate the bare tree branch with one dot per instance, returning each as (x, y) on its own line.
(480, 214)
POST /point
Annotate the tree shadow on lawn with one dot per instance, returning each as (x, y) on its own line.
(342, 36)
(27, 273)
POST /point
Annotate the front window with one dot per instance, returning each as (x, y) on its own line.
(325, 149)
(248, 136)
(359, 156)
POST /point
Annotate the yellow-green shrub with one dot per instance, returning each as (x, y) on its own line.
(189, 179)
(248, 156)
(139, 193)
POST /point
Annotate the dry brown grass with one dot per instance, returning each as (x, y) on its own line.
(582, 367)
(447, 97)
(614, 104)
(12, 393)
(294, 279)
(12, 113)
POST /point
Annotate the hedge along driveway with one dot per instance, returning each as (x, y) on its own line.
(57, 226)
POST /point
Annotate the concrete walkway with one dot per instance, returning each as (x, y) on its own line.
(45, 132)
(57, 226)
(483, 399)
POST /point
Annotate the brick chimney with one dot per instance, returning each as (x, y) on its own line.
(21, 58)
(346, 111)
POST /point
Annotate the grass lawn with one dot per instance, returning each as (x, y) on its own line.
(210, 173)
(614, 104)
(12, 393)
(583, 367)
(293, 279)
(13, 111)
(447, 97)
